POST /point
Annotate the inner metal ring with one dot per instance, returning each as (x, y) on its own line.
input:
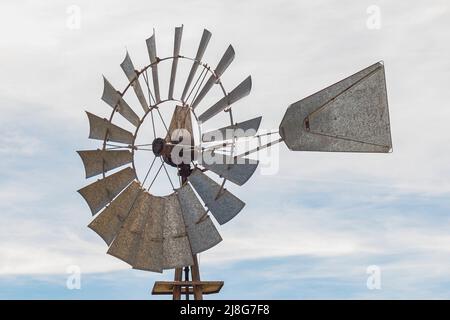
(156, 105)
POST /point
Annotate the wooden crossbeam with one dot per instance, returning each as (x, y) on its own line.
(169, 287)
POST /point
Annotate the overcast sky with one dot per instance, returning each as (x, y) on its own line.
(311, 229)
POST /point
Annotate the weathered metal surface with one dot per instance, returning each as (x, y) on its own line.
(151, 47)
(201, 231)
(236, 169)
(108, 222)
(176, 248)
(223, 206)
(176, 252)
(349, 116)
(99, 161)
(223, 64)
(241, 91)
(128, 241)
(176, 53)
(243, 129)
(180, 123)
(191, 207)
(98, 127)
(198, 57)
(129, 70)
(103, 191)
(113, 98)
(203, 235)
(180, 137)
(149, 255)
(169, 287)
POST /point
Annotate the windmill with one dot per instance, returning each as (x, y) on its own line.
(158, 232)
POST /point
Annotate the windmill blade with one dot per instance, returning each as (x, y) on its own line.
(101, 192)
(223, 206)
(349, 116)
(108, 222)
(176, 53)
(241, 91)
(236, 169)
(114, 99)
(244, 129)
(151, 47)
(198, 57)
(226, 60)
(201, 231)
(203, 235)
(101, 128)
(99, 161)
(126, 244)
(129, 70)
(149, 255)
(176, 248)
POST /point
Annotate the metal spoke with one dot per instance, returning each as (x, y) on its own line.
(143, 149)
(198, 88)
(155, 176)
(150, 95)
(167, 129)
(195, 84)
(260, 147)
(232, 144)
(143, 145)
(217, 146)
(167, 173)
(153, 123)
(117, 146)
(151, 166)
(180, 181)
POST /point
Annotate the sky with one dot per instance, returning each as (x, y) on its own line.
(315, 225)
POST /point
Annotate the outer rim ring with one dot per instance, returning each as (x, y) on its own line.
(151, 107)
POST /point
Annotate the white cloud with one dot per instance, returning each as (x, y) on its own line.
(16, 144)
(34, 248)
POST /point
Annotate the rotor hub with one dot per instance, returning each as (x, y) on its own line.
(158, 146)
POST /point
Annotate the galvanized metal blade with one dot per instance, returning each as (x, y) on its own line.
(101, 192)
(198, 57)
(203, 235)
(176, 53)
(99, 128)
(176, 248)
(128, 241)
(224, 205)
(349, 116)
(241, 91)
(236, 169)
(243, 129)
(114, 99)
(226, 60)
(201, 231)
(99, 161)
(149, 255)
(151, 48)
(108, 222)
(129, 70)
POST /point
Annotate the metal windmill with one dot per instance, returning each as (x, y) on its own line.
(155, 233)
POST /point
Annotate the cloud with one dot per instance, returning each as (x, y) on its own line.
(18, 144)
